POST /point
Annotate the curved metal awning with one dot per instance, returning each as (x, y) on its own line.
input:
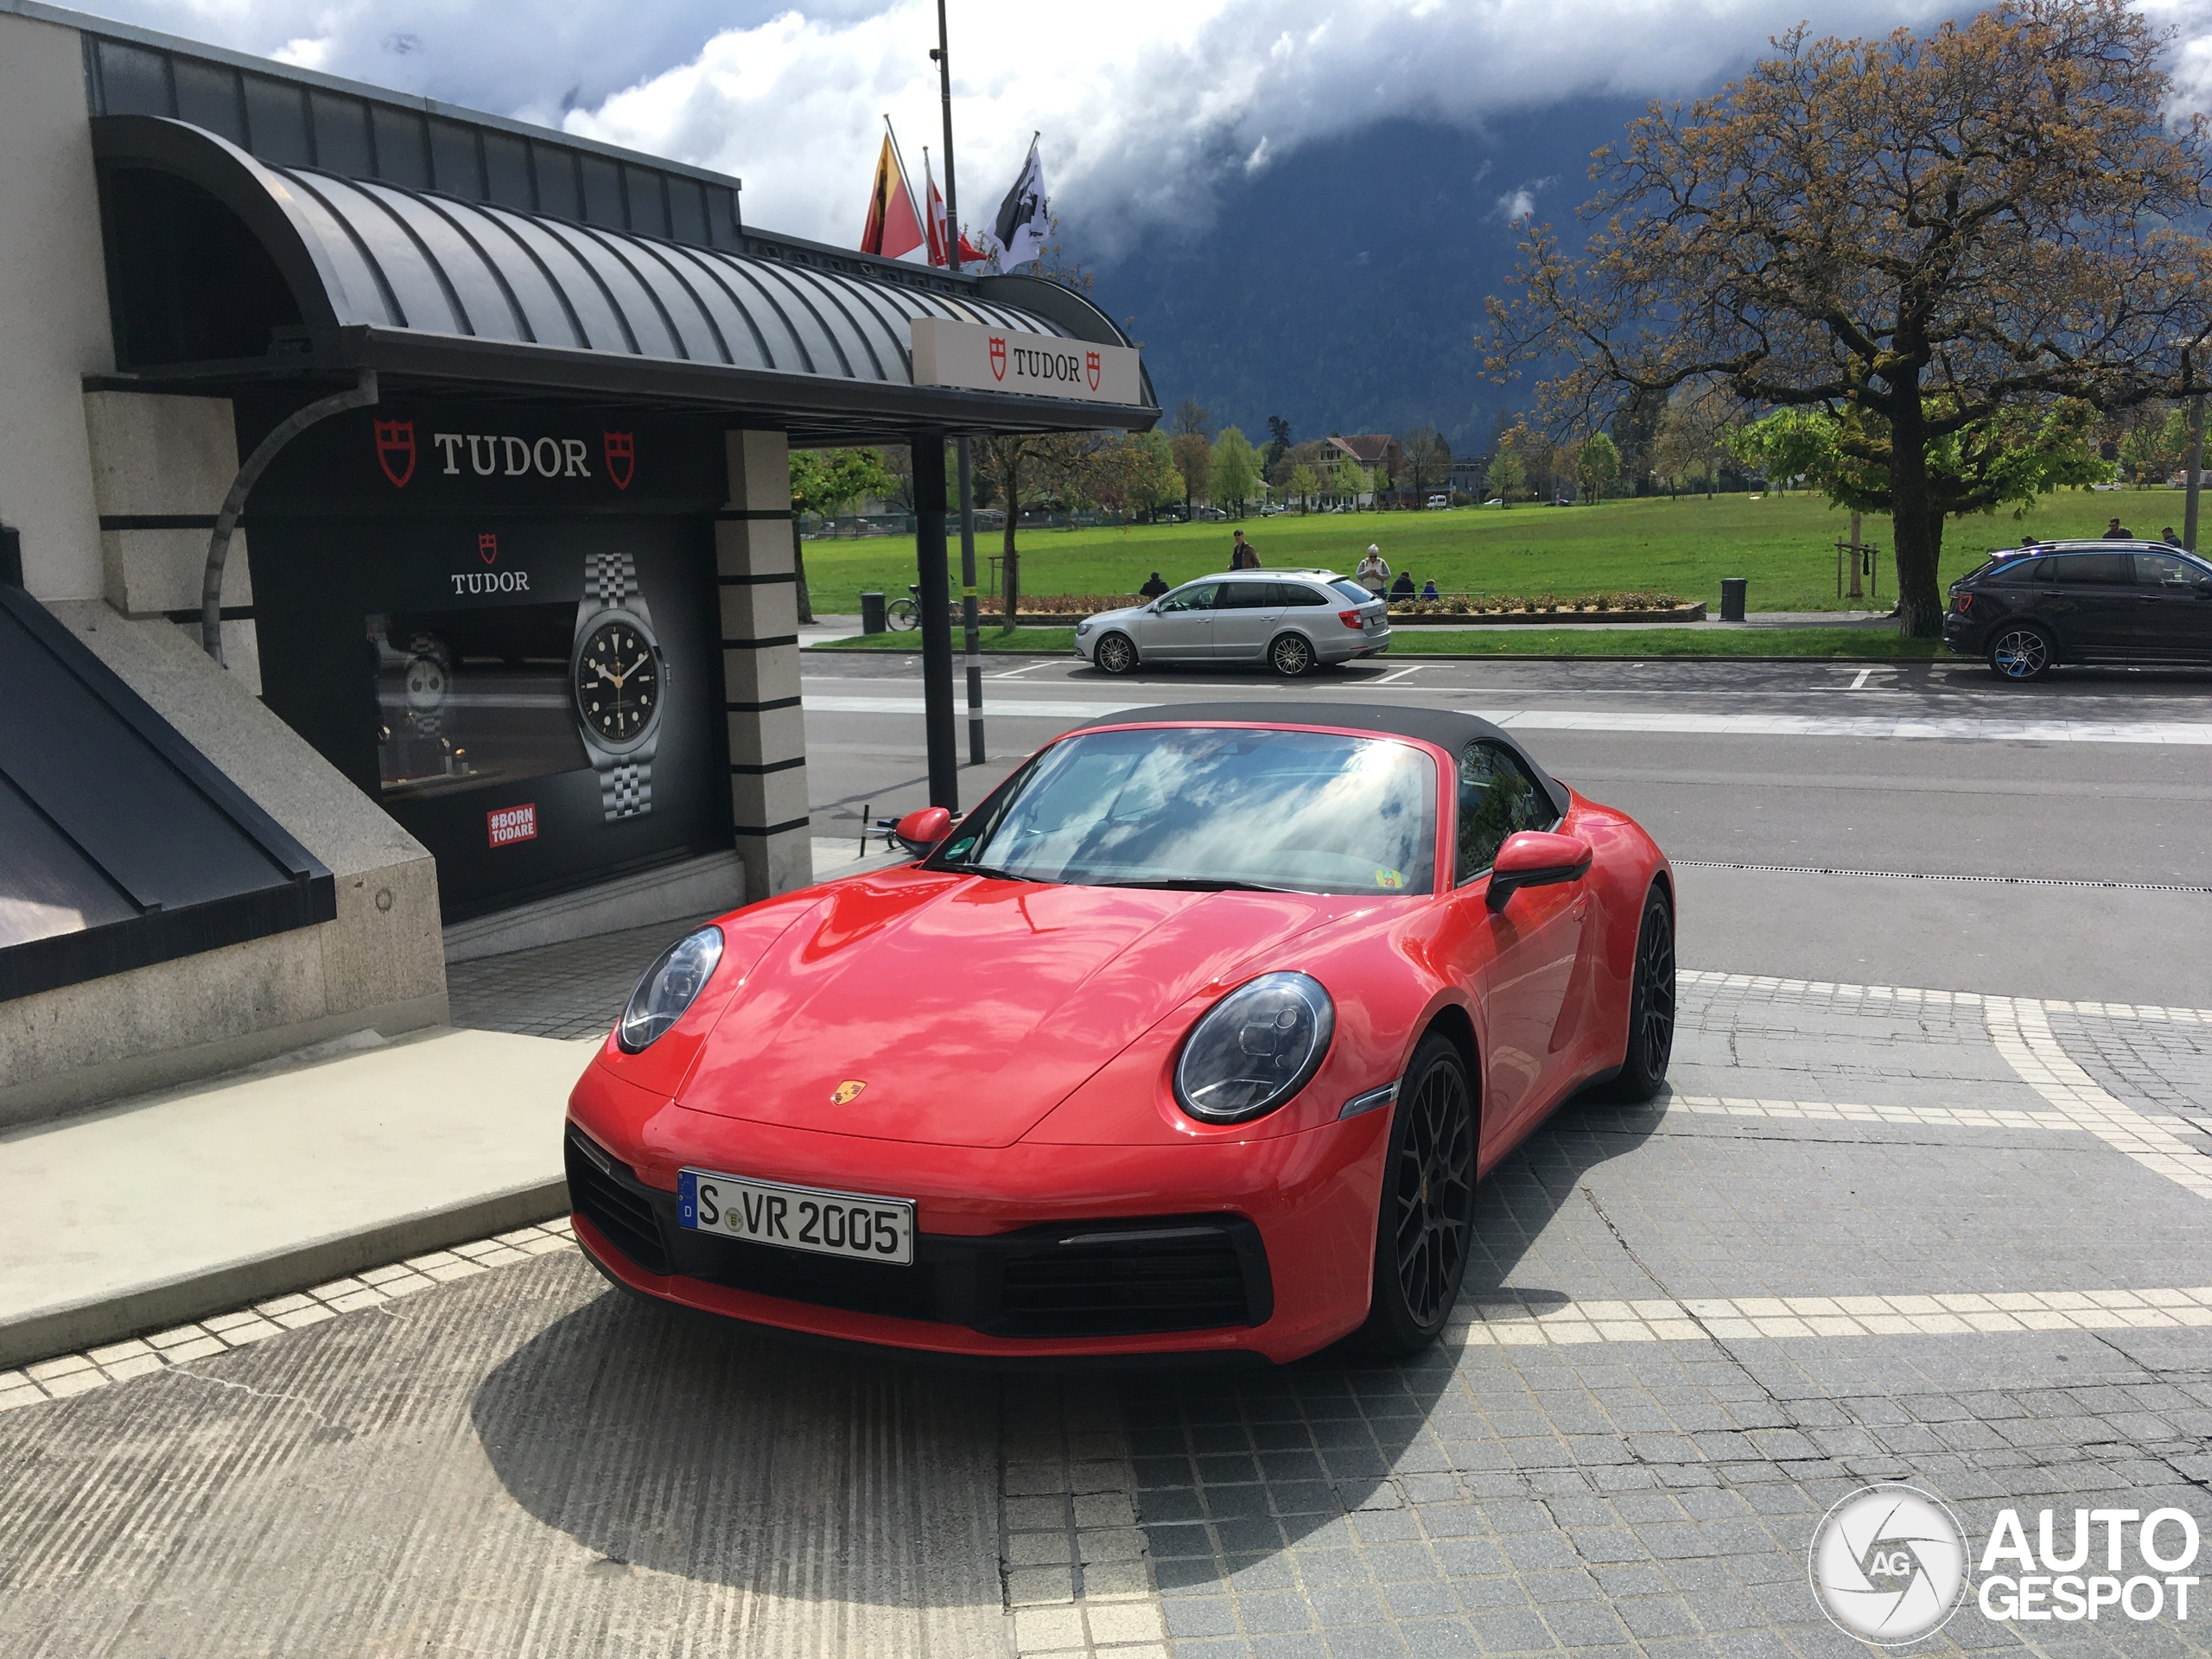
(438, 293)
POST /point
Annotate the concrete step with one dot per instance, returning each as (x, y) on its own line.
(200, 1199)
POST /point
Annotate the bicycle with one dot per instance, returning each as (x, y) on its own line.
(902, 615)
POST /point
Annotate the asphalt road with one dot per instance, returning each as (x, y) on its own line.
(1987, 823)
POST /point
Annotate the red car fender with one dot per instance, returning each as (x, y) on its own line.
(1627, 863)
(747, 935)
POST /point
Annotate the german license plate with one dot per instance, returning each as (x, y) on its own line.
(797, 1217)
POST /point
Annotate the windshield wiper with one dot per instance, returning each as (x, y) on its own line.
(996, 874)
(1197, 884)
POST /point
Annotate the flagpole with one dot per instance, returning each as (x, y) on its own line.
(969, 620)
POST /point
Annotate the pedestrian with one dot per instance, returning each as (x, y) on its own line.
(1242, 555)
(1154, 587)
(1374, 572)
(2168, 537)
(1429, 588)
(2116, 531)
(1403, 587)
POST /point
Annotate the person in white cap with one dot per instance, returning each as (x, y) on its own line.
(1374, 573)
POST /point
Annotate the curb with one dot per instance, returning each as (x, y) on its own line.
(25, 1339)
(1487, 657)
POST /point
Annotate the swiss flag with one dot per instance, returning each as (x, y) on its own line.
(940, 237)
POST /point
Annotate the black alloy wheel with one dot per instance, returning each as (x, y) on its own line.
(1651, 1007)
(1425, 1224)
(1291, 655)
(2021, 651)
(1115, 654)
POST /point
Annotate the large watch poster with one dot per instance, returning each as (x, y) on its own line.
(534, 695)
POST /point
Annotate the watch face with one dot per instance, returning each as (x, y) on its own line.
(426, 684)
(618, 681)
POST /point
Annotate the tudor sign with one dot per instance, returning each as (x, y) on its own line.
(976, 358)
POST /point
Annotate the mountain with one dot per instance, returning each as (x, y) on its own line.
(1341, 287)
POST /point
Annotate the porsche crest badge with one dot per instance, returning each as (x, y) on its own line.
(847, 1093)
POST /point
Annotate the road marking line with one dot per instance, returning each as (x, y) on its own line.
(1909, 994)
(2022, 1032)
(1967, 1117)
(1934, 875)
(1504, 1319)
(1391, 679)
(1860, 685)
(1013, 673)
(1951, 729)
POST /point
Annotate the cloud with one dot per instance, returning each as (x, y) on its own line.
(1520, 203)
(1146, 106)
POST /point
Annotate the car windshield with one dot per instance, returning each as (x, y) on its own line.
(1209, 808)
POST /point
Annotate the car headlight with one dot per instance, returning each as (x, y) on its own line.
(670, 986)
(1084, 627)
(1254, 1048)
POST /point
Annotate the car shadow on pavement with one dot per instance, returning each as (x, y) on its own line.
(674, 1444)
(1233, 1468)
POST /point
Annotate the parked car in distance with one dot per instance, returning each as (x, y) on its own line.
(2032, 609)
(1439, 501)
(1293, 620)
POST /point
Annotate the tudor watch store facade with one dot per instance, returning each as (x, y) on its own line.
(507, 632)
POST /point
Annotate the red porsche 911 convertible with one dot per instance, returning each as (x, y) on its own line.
(1192, 1039)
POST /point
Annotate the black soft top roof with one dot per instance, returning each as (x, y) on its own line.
(1448, 729)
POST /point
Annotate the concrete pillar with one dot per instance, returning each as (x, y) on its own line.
(759, 621)
(54, 321)
(162, 466)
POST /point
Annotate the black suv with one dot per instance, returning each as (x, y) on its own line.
(2032, 608)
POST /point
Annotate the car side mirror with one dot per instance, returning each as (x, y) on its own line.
(1535, 858)
(923, 828)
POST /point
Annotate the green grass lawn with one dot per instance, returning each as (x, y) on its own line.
(1526, 642)
(1783, 544)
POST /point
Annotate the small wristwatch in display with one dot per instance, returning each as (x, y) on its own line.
(616, 674)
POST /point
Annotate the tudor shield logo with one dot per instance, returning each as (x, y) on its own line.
(847, 1093)
(487, 546)
(998, 357)
(620, 449)
(1090, 368)
(396, 451)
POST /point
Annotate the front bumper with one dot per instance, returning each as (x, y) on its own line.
(1261, 1248)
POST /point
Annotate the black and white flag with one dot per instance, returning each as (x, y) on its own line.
(1025, 217)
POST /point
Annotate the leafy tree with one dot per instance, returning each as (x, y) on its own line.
(824, 481)
(1191, 416)
(1597, 464)
(2010, 459)
(1236, 470)
(2152, 447)
(1304, 483)
(1023, 469)
(1920, 233)
(1348, 478)
(1507, 475)
(1132, 474)
(1193, 455)
(1278, 439)
(1692, 430)
(1426, 457)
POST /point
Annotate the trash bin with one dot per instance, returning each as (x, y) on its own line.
(1731, 598)
(872, 614)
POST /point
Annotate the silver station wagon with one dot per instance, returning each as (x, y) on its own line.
(1290, 620)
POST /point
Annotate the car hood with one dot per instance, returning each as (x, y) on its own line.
(1127, 614)
(968, 1007)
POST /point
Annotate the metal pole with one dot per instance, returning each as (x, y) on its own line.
(968, 609)
(2195, 469)
(969, 619)
(943, 56)
(935, 600)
